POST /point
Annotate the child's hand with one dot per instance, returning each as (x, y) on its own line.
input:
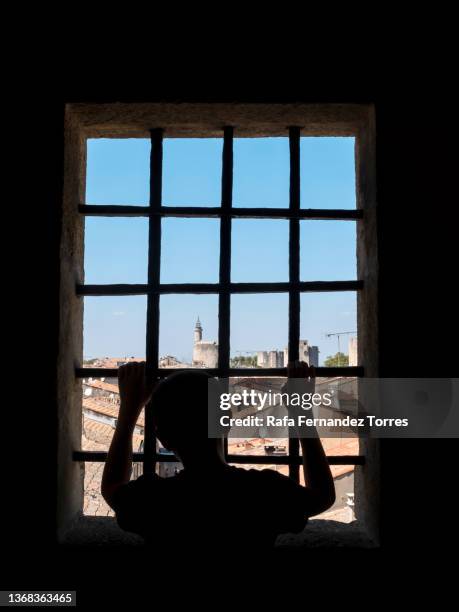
(301, 381)
(300, 369)
(134, 390)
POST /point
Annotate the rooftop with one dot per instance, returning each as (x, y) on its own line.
(100, 384)
(107, 409)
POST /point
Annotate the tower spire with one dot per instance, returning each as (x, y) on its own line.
(198, 331)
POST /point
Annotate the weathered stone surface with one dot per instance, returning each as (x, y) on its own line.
(198, 120)
(70, 473)
(101, 531)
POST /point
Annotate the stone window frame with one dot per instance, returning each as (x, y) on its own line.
(153, 120)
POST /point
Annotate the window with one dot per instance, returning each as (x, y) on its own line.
(306, 292)
(175, 232)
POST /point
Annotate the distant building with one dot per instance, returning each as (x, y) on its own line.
(275, 359)
(168, 361)
(314, 356)
(353, 356)
(307, 353)
(270, 359)
(262, 359)
(111, 362)
(205, 353)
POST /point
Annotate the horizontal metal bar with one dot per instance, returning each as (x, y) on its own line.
(117, 289)
(339, 214)
(302, 286)
(345, 372)
(120, 210)
(99, 456)
(196, 288)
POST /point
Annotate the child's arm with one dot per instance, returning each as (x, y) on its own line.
(133, 397)
(317, 473)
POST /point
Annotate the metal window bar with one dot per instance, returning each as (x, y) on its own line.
(294, 275)
(343, 371)
(154, 263)
(224, 295)
(118, 210)
(224, 288)
(165, 288)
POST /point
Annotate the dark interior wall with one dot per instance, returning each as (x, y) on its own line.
(417, 233)
(416, 238)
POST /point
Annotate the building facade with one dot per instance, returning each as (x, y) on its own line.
(307, 352)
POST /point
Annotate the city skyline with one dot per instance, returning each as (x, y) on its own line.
(187, 356)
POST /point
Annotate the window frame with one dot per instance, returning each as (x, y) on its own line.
(88, 121)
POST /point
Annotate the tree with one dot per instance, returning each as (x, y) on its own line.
(244, 361)
(337, 360)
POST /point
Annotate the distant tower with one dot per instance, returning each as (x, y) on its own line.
(205, 353)
(198, 331)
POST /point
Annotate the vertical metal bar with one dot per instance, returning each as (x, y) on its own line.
(154, 266)
(294, 272)
(225, 252)
(224, 297)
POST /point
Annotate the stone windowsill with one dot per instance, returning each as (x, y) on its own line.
(104, 532)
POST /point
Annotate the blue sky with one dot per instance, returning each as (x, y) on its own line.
(116, 248)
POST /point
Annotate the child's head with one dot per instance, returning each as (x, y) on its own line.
(180, 404)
